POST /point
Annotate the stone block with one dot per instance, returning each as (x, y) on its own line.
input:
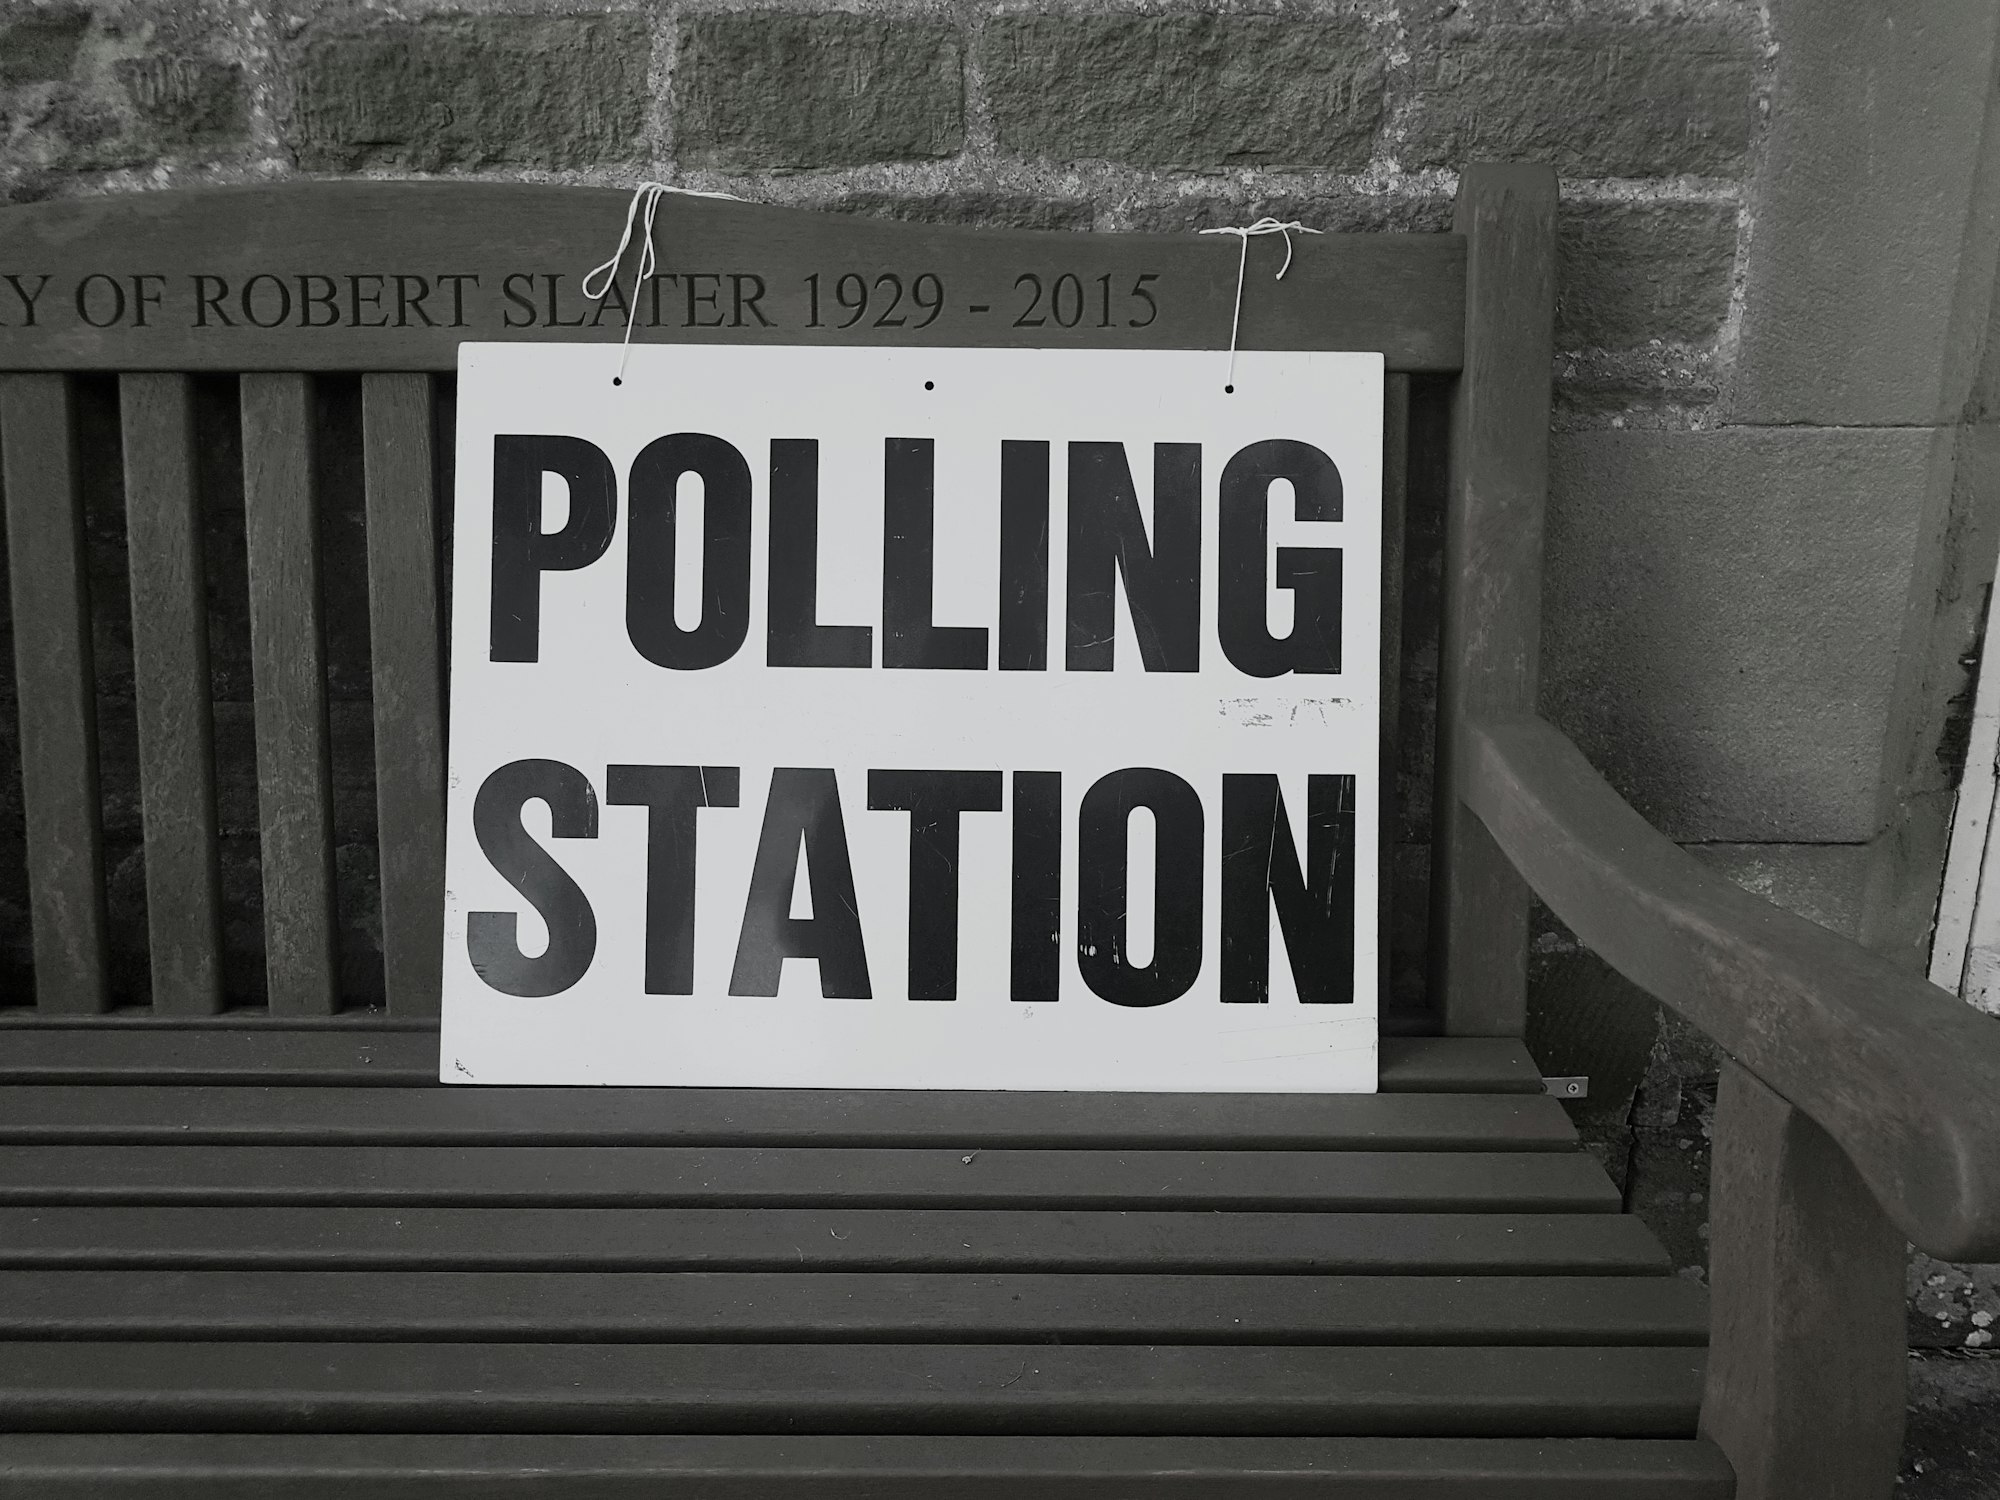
(186, 103)
(1332, 213)
(987, 210)
(40, 46)
(1185, 91)
(777, 89)
(471, 91)
(1629, 272)
(1721, 616)
(1820, 882)
(1877, 206)
(1640, 98)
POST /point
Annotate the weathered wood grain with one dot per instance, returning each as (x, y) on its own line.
(145, 1113)
(858, 1239)
(288, 663)
(804, 1388)
(364, 250)
(1894, 1069)
(240, 1466)
(56, 685)
(805, 1176)
(282, 1050)
(170, 671)
(404, 636)
(1490, 633)
(1805, 1387)
(837, 1307)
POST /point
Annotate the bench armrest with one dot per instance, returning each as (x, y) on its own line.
(1903, 1076)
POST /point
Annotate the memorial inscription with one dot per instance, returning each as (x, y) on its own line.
(837, 299)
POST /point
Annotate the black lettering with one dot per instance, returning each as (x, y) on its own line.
(725, 556)
(1260, 867)
(208, 294)
(1024, 557)
(408, 302)
(742, 304)
(670, 795)
(555, 318)
(144, 296)
(521, 550)
(653, 291)
(934, 800)
(803, 810)
(83, 300)
(909, 522)
(248, 301)
(458, 279)
(1107, 541)
(373, 298)
(520, 299)
(28, 298)
(1035, 970)
(613, 301)
(321, 292)
(1311, 573)
(1102, 880)
(492, 937)
(711, 299)
(796, 638)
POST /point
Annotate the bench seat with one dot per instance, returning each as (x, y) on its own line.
(226, 1269)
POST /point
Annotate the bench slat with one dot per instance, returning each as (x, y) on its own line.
(255, 1466)
(114, 1051)
(408, 685)
(56, 685)
(288, 664)
(665, 1176)
(905, 1388)
(146, 1113)
(643, 1239)
(171, 683)
(807, 1306)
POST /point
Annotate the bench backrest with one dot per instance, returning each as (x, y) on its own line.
(283, 286)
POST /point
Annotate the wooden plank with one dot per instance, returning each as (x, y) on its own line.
(56, 688)
(704, 1307)
(1807, 1402)
(1395, 485)
(288, 665)
(170, 673)
(635, 1239)
(1490, 633)
(804, 1388)
(1897, 1071)
(503, 261)
(390, 1466)
(146, 1113)
(352, 1053)
(408, 685)
(671, 1176)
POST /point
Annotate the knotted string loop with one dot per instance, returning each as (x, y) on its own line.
(1245, 233)
(645, 200)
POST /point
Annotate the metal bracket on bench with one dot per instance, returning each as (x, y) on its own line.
(1568, 1088)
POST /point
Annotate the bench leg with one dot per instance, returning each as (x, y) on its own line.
(1808, 1344)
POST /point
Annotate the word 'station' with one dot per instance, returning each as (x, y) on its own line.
(493, 302)
(914, 718)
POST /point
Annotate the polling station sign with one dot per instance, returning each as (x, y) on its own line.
(914, 718)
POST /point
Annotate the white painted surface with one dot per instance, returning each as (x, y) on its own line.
(591, 700)
(1965, 947)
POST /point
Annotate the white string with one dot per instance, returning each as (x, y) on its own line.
(1244, 232)
(648, 194)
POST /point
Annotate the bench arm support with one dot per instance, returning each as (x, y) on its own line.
(1904, 1078)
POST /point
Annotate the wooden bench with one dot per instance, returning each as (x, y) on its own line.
(256, 1250)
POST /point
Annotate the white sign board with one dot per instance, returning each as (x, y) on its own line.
(914, 718)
